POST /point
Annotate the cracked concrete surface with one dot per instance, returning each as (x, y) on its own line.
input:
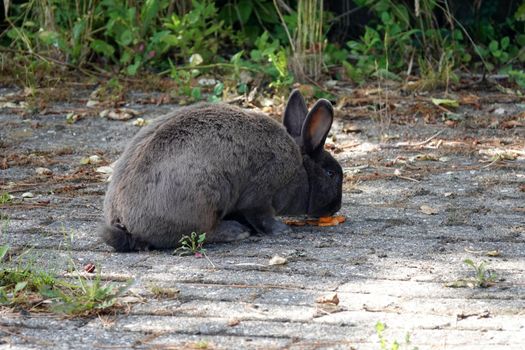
(388, 262)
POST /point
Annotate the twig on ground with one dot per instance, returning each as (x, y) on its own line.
(410, 144)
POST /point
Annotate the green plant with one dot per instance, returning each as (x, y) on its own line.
(192, 245)
(270, 51)
(518, 76)
(437, 74)
(196, 32)
(5, 198)
(385, 46)
(24, 285)
(395, 345)
(84, 295)
(249, 19)
(483, 277)
(308, 42)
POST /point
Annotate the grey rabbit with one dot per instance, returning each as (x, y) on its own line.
(222, 170)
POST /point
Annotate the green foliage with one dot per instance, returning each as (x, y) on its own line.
(483, 277)
(197, 32)
(262, 37)
(84, 296)
(518, 76)
(270, 51)
(23, 285)
(192, 245)
(5, 198)
(398, 37)
(395, 345)
(250, 19)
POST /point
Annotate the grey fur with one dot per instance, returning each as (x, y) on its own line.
(221, 170)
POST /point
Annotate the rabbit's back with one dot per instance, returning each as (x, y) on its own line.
(188, 169)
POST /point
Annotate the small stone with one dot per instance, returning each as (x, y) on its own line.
(27, 195)
(428, 210)
(92, 103)
(139, 122)
(277, 260)
(499, 111)
(105, 170)
(43, 171)
(104, 113)
(207, 82)
(94, 159)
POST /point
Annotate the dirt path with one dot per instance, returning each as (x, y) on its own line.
(414, 213)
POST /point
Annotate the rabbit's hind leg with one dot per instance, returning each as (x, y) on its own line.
(228, 231)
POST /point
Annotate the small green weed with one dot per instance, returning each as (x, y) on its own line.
(84, 296)
(192, 245)
(483, 277)
(5, 198)
(384, 343)
(25, 286)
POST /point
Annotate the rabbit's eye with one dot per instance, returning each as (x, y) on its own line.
(329, 173)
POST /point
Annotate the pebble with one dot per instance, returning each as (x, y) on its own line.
(94, 159)
(105, 170)
(43, 171)
(499, 111)
(277, 260)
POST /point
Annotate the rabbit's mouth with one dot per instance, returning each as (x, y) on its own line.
(328, 210)
(331, 210)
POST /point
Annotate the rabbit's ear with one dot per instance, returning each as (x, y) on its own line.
(317, 125)
(295, 113)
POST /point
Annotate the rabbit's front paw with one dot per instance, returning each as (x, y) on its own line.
(266, 224)
(279, 228)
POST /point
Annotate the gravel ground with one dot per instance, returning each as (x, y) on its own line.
(416, 206)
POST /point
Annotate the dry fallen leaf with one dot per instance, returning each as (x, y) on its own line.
(233, 322)
(445, 102)
(472, 100)
(330, 298)
(428, 210)
(89, 268)
(351, 128)
(493, 253)
(119, 113)
(277, 260)
(424, 157)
